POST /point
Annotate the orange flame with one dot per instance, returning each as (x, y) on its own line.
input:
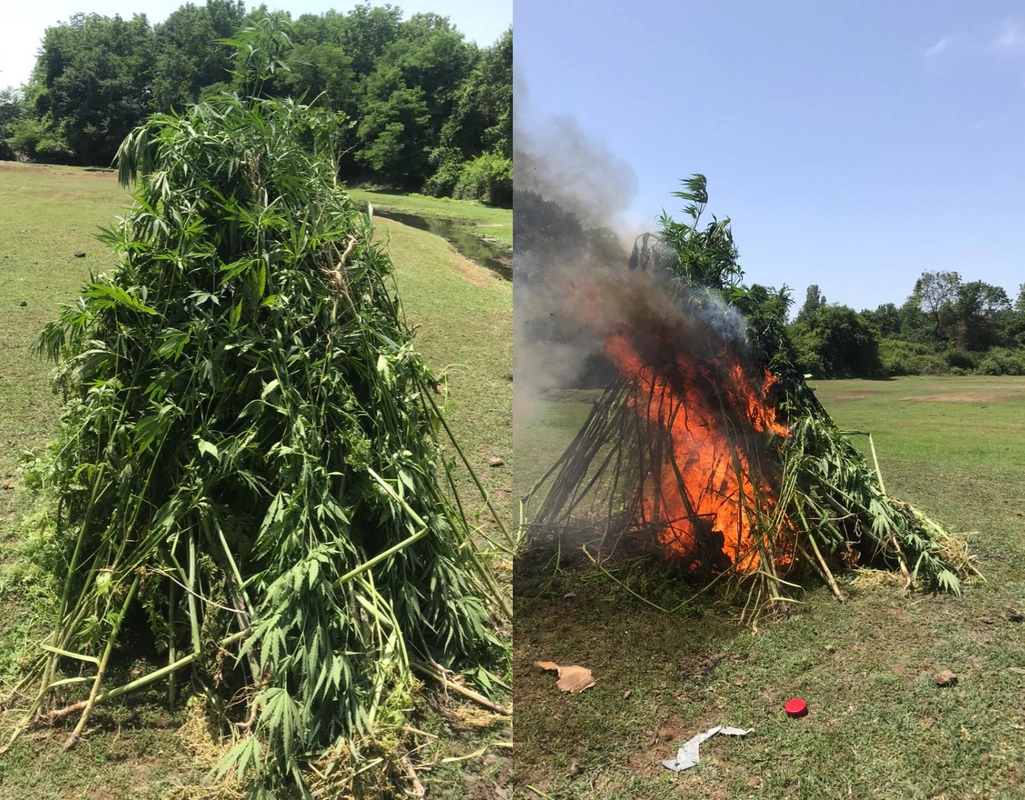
(706, 486)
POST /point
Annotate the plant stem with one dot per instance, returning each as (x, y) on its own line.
(455, 687)
(90, 704)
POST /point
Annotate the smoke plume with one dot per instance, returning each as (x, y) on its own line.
(572, 246)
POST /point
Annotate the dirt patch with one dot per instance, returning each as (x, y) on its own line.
(964, 397)
(840, 396)
(701, 665)
(658, 744)
(474, 272)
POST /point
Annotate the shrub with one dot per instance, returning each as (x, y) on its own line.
(806, 356)
(900, 357)
(487, 178)
(961, 359)
(834, 342)
(10, 112)
(34, 140)
(1000, 361)
(448, 165)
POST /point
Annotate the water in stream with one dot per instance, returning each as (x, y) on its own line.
(464, 237)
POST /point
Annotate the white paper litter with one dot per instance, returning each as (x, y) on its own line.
(687, 755)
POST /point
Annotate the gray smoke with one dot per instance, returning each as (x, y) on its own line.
(573, 286)
(570, 193)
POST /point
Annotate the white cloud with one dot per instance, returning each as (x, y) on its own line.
(1001, 42)
(938, 49)
(1010, 40)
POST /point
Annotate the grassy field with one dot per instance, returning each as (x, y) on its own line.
(464, 315)
(878, 726)
(493, 223)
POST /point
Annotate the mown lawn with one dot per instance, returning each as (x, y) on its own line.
(464, 313)
(878, 725)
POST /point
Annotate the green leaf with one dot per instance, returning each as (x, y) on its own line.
(268, 388)
(209, 448)
(246, 758)
(112, 296)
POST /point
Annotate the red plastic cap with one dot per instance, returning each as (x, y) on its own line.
(796, 707)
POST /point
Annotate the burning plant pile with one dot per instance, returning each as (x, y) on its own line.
(710, 449)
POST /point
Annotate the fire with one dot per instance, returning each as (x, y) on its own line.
(700, 497)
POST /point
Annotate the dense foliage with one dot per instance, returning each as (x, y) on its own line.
(247, 480)
(427, 109)
(946, 326)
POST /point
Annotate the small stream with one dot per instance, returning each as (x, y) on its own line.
(464, 237)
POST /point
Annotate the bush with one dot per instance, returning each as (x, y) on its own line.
(34, 140)
(448, 165)
(834, 342)
(806, 357)
(999, 361)
(957, 358)
(911, 358)
(488, 178)
(11, 107)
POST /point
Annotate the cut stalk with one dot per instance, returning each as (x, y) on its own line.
(462, 690)
(145, 680)
(101, 673)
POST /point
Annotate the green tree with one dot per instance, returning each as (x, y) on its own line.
(915, 324)
(92, 84)
(11, 110)
(981, 309)
(836, 343)
(936, 294)
(481, 118)
(409, 96)
(367, 33)
(1019, 303)
(423, 102)
(395, 134)
(1013, 327)
(813, 301)
(886, 320)
(189, 55)
(320, 70)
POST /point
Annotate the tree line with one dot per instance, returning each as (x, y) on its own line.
(426, 109)
(947, 325)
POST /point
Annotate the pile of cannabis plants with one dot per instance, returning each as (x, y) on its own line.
(248, 480)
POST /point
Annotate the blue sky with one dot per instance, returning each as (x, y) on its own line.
(853, 144)
(482, 21)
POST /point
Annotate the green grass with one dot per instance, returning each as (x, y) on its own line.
(494, 223)
(465, 330)
(878, 726)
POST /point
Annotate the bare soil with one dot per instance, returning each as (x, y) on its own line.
(959, 397)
